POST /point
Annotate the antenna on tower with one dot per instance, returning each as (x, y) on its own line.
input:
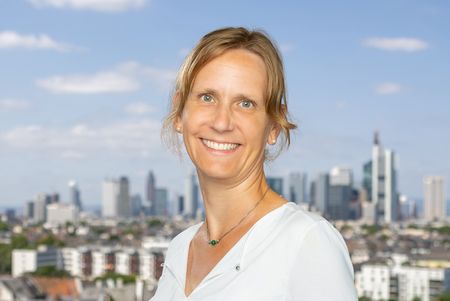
(376, 138)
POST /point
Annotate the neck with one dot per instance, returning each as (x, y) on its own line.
(227, 203)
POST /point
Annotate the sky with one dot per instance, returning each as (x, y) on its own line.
(85, 84)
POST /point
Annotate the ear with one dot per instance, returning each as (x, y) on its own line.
(276, 128)
(177, 125)
(273, 134)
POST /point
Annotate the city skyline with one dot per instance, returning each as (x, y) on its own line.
(84, 89)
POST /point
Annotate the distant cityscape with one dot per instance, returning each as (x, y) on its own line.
(400, 247)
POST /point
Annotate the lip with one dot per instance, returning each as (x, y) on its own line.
(217, 151)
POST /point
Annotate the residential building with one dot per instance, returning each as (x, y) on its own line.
(24, 260)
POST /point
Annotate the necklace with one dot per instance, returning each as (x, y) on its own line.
(214, 242)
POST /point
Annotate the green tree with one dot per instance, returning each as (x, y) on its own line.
(51, 240)
(444, 297)
(5, 259)
(50, 271)
(20, 241)
(114, 276)
(17, 242)
(155, 223)
(4, 226)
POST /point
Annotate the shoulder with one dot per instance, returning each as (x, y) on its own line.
(311, 230)
(316, 236)
(298, 221)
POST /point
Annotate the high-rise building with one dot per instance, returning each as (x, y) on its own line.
(384, 184)
(116, 198)
(136, 204)
(341, 176)
(75, 195)
(39, 207)
(150, 188)
(60, 213)
(191, 195)
(322, 192)
(367, 178)
(124, 196)
(340, 193)
(276, 184)
(160, 204)
(297, 188)
(29, 210)
(312, 194)
(434, 198)
(53, 198)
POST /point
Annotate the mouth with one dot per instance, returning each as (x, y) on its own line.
(220, 146)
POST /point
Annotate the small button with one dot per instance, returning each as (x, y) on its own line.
(237, 267)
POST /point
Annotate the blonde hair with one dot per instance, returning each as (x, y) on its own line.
(213, 45)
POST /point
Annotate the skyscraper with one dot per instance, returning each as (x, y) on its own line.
(321, 191)
(297, 187)
(434, 198)
(136, 204)
(116, 198)
(340, 193)
(191, 195)
(39, 208)
(150, 188)
(384, 183)
(160, 204)
(75, 195)
(276, 184)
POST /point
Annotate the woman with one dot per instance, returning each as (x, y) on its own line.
(229, 104)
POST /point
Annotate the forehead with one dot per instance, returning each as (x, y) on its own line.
(236, 70)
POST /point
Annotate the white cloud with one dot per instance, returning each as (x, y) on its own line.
(396, 44)
(81, 139)
(388, 88)
(139, 108)
(96, 5)
(126, 77)
(9, 104)
(104, 82)
(12, 39)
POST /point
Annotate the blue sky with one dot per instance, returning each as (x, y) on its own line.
(84, 86)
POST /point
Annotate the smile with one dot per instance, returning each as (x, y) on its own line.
(219, 146)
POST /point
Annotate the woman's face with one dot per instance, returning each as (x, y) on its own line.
(224, 123)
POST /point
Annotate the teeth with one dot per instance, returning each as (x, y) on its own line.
(219, 146)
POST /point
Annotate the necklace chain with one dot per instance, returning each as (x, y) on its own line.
(214, 242)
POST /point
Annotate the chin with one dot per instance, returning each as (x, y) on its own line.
(217, 171)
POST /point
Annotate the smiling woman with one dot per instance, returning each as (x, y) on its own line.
(229, 103)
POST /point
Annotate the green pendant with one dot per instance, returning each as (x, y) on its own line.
(213, 242)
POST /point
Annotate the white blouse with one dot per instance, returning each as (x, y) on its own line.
(288, 255)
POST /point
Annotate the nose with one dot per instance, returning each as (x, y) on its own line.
(223, 119)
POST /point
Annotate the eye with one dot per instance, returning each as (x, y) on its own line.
(206, 98)
(247, 104)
